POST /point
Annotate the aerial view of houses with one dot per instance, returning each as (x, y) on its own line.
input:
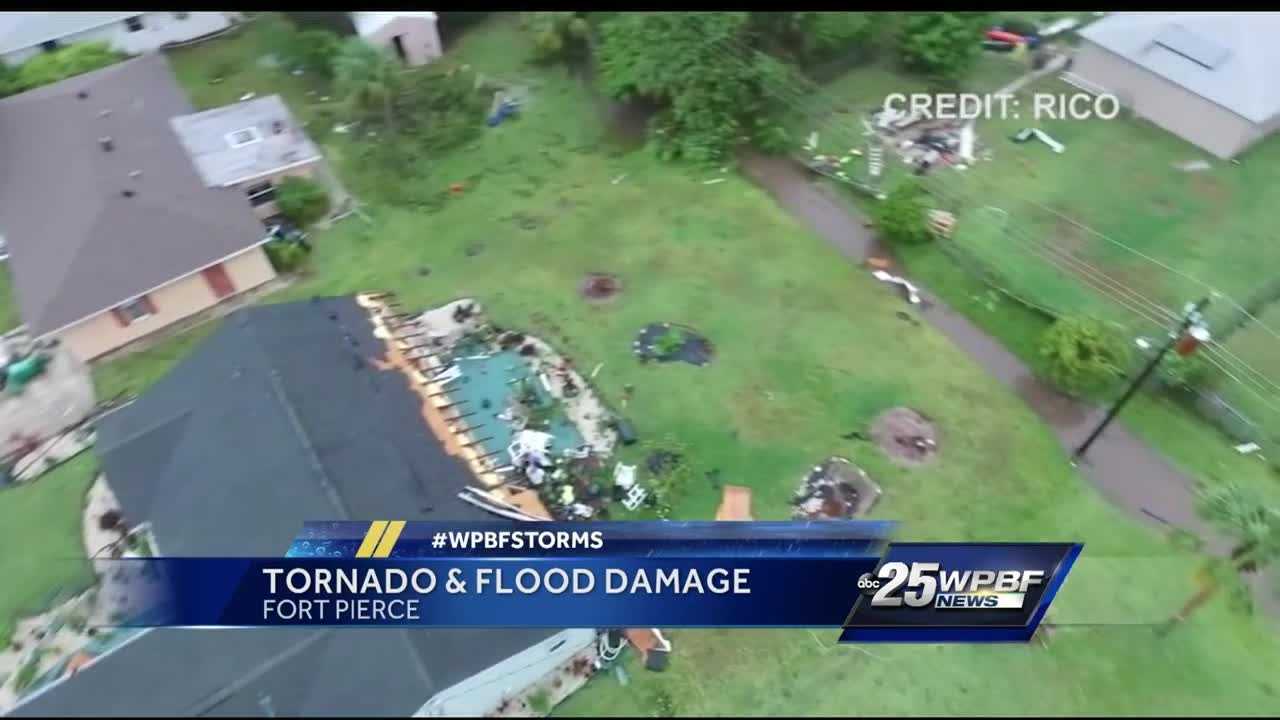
(265, 268)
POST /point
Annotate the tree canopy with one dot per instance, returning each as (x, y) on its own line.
(942, 44)
(692, 63)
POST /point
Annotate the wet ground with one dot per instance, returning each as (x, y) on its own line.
(1128, 472)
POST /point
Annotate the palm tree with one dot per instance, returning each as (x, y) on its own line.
(367, 77)
(1245, 517)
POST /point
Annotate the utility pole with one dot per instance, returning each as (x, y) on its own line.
(1189, 335)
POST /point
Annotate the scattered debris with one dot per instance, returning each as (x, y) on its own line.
(735, 504)
(913, 293)
(835, 490)
(1248, 448)
(905, 436)
(1193, 166)
(1058, 27)
(942, 223)
(619, 179)
(654, 649)
(1026, 134)
(247, 96)
(713, 182)
(666, 342)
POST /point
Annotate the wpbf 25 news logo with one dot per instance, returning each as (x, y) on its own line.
(997, 592)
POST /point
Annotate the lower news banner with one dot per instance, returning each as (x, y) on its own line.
(832, 574)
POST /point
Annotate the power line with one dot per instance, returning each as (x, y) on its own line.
(1111, 289)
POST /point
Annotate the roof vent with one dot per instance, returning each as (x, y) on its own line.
(127, 193)
(83, 94)
(277, 127)
(135, 174)
(104, 112)
(107, 143)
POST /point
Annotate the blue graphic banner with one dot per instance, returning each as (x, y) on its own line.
(611, 574)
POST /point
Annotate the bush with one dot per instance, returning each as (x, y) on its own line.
(285, 257)
(302, 200)
(558, 36)
(50, 67)
(439, 109)
(1177, 371)
(903, 216)
(312, 51)
(1082, 356)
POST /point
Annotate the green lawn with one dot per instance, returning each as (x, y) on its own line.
(807, 349)
(43, 556)
(8, 308)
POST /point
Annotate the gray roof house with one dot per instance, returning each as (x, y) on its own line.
(112, 234)
(1208, 77)
(236, 143)
(24, 35)
(285, 415)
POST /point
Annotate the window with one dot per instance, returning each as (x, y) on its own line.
(244, 137)
(133, 24)
(131, 312)
(180, 16)
(261, 194)
(219, 281)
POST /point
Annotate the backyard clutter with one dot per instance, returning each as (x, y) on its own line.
(667, 342)
(835, 490)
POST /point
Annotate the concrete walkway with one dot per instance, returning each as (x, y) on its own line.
(1128, 472)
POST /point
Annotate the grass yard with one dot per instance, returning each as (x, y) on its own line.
(808, 348)
(43, 556)
(8, 306)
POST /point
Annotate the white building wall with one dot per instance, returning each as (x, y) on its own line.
(479, 694)
(158, 29)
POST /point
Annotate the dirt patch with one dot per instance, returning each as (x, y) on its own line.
(600, 287)
(835, 490)
(906, 436)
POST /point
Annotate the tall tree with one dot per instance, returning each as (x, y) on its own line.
(1254, 526)
(941, 44)
(691, 64)
(367, 78)
(812, 36)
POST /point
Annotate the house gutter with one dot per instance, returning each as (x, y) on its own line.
(282, 168)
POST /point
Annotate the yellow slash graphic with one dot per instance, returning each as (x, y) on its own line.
(389, 539)
(376, 528)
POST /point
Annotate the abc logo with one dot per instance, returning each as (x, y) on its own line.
(868, 584)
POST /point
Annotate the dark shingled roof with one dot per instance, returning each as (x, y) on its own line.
(281, 416)
(77, 245)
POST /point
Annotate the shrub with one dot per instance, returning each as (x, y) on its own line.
(66, 62)
(903, 216)
(312, 51)
(1082, 356)
(285, 257)
(558, 36)
(301, 200)
(1177, 371)
(669, 343)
